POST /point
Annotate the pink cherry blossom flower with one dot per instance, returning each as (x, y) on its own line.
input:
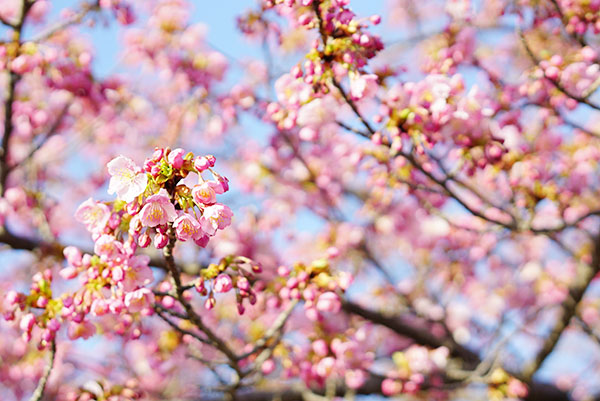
(158, 210)
(93, 214)
(73, 255)
(325, 366)
(137, 273)
(222, 283)
(362, 86)
(81, 330)
(99, 307)
(204, 194)
(139, 299)
(355, 378)
(186, 227)
(215, 217)
(127, 180)
(108, 247)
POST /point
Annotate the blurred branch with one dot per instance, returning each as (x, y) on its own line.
(555, 82)
(39, 390)
(272, 331)
(408, 328)
(538, 391)
(566, 311)
(51, 132)
(72, 20)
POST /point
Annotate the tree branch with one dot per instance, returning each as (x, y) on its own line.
(567, 310)
(39, 390)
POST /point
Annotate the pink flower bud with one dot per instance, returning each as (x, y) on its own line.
(42, 302)
(160, 240)
(222, 283)
(201, 164)
(47, 335)
(209, 303)
(12, 297)
(53, 325)
(73, 256)
(68, 273)
(158, 154)
(305, 19)
(175, 158)
(202, 241)
(168, 302)
(308, 134)
(27, 322)
(320, 347)
(268, 367)
(329, 302)
(552, 72)
(144, 240)
(243, 284)
(391, 387)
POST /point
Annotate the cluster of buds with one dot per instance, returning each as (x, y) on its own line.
(314, 284)
(102, 390)
(231, 273)
(411, 366)
(20, 307)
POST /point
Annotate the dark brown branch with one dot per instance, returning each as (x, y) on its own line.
(191, 313)
(8, 128)
(161, 313)
(13, 79)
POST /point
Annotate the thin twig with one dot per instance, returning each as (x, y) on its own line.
(39, 390)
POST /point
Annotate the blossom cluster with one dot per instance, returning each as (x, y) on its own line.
(316, 284)
(341, 357)
(411, 366)
(237, 273)
(168, 199)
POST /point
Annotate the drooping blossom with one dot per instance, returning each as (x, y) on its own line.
(127, 179)
(137, 273)
(108, 247)
(158, 210)
(93, 214)
(187, 227)
(215, 217)
(204, 194)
